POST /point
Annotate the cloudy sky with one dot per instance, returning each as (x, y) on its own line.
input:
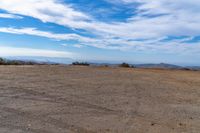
(135, 31)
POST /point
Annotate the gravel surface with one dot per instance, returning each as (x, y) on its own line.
(69, 99)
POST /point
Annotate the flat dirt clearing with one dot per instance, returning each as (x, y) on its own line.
(69, 99)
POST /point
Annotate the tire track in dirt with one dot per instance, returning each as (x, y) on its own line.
(40, 96)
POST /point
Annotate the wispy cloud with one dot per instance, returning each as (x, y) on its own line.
(6, 15)
(152, 44)
(35, 32)
(11, 51)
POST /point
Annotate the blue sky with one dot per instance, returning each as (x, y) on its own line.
(133, 31)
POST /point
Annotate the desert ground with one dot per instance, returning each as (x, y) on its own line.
(76, 99)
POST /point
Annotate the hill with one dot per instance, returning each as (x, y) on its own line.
(161, 65)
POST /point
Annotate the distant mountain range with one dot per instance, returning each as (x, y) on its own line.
(158, 66)
(49, 60)
(167, 66)
(161, 65)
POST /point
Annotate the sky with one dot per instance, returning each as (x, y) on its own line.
(133, 31)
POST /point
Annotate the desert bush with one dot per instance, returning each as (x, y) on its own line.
(81, 63)
(126, 65)
(106, 65)
(186, 69)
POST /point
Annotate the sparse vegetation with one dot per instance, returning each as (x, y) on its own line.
(2, 61)
(80, 63)
(126, 65)
(18, 62)
(186, 69)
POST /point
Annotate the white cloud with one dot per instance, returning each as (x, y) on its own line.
(6, 15)
(78, 46)
(64, 44)
(74, 45)
(177, 45)
(11, 51)
(45, 10)
(139, 32)
(35, 32)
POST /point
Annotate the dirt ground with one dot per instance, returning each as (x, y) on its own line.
(69, 99)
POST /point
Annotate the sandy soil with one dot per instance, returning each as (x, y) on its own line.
(60, 99)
